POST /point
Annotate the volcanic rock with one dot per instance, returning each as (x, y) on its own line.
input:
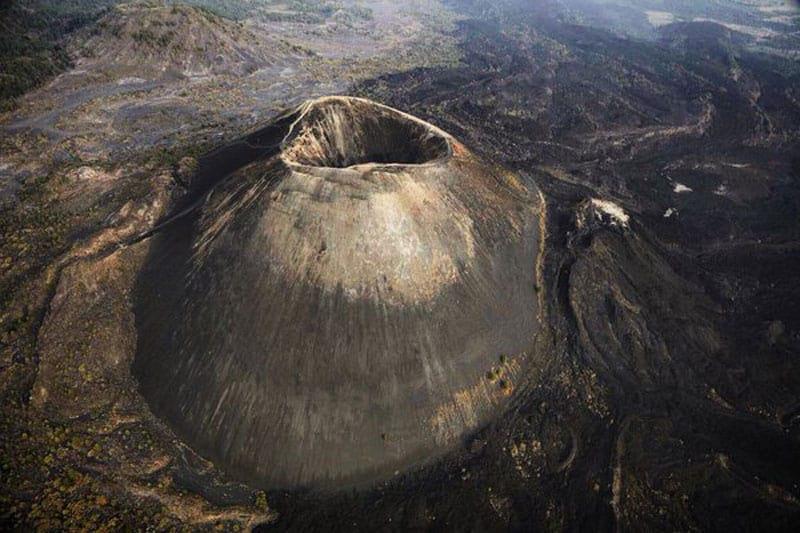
(348, 304)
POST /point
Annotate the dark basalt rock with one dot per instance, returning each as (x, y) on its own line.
(348, 305)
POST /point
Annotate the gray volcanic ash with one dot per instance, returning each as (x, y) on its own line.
(349, 305)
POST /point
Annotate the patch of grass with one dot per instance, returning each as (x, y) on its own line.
(260, 501)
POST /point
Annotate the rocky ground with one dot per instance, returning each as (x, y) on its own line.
(665, 393)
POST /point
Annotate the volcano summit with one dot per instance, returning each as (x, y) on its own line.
(349, 304)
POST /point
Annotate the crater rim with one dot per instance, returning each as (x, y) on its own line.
(419, 144)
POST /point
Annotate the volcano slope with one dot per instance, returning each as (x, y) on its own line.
(329, 313)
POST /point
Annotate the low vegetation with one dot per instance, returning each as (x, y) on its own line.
(32, 41)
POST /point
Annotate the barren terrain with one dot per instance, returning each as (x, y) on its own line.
(660, 137)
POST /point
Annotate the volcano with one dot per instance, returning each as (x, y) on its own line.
(347, 305)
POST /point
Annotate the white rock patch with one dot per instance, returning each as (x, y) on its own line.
(617, 214)
(659, 18)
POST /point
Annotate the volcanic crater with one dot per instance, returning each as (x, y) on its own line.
(346, 305)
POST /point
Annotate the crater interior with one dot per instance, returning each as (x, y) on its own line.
(340, 134)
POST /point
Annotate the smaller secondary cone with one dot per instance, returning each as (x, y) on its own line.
(344, 307)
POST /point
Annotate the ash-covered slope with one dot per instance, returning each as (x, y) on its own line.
(347, 305)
